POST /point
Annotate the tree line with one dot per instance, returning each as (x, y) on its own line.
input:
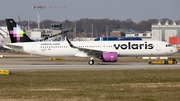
(84, 25)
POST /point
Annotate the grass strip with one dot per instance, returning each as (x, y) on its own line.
(124, 85)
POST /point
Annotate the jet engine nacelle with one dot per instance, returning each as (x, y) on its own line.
(109, 57)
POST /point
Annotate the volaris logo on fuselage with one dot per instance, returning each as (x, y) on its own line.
(134, 46)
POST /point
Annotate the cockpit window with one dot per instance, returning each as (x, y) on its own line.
(168, 45)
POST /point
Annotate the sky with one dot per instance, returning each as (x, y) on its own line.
(137, 10)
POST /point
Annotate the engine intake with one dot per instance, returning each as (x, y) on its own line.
(110, 57)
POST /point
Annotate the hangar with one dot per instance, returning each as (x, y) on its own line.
(162, 32)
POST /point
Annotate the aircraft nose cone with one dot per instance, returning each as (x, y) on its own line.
(174, 50)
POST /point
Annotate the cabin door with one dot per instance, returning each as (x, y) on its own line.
(158, 46)
(33, 47)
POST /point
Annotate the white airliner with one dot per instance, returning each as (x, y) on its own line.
(108, 51)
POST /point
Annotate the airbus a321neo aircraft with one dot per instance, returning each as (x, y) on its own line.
(107, 51)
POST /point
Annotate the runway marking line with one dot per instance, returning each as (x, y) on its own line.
(47, 89)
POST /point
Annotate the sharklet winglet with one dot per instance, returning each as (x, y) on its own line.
(70, 44)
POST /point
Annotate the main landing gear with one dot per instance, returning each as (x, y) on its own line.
(91, 61)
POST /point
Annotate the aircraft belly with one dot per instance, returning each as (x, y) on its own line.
(136, 53)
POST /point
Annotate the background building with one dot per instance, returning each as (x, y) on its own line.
(117, 33)
(162, 32)
(144, 36)
(41, 33)
(121, 33)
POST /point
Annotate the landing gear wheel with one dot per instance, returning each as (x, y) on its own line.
(150, 63)
(166, 63)
(91, 62)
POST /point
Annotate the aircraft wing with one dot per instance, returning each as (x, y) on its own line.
(89, 52)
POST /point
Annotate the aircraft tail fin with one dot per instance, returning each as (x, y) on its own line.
(16, 33)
